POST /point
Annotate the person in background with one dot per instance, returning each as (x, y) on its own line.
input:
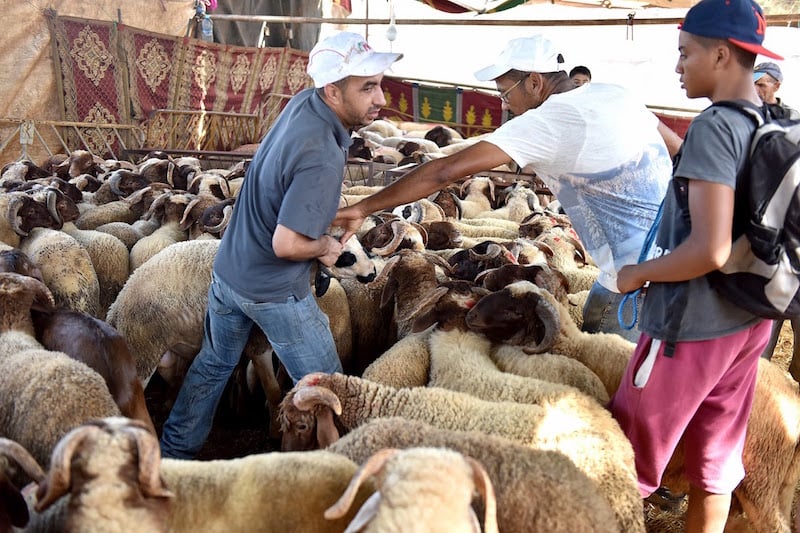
(692, 376)
(768, 78)
(262, 270)
(599, 150)
(580, 75)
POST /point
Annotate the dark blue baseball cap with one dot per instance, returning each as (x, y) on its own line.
(740, 22)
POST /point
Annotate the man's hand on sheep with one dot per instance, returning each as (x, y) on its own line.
(350, 219)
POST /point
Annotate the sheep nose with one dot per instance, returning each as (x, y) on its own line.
(366, 279)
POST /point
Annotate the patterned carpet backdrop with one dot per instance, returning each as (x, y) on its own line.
(469, 111)
(116, 74)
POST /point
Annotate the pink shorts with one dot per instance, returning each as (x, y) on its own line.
(703, 393)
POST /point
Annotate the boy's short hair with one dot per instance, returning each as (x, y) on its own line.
(740, 22)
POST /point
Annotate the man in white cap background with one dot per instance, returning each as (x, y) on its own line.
(597, 147)
(261, 273)
(768, 78)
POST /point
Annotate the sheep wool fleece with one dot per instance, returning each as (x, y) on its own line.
(295, 179)
(598, 149)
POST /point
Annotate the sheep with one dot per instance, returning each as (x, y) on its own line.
(307, 421)
(110, 475)
(66, 268)
(479, 197)
(397, 234)
(774, 424)
(20, 214)
(520, 203)
(168, 209)
(108, 254)
(162, 306)
(421, 490)
(384, 128)
(530, 496)
(469, 263)
(45, 393)
(122, 231)
(527, 315)
(85, 339)
(13, 509)
(127, 209)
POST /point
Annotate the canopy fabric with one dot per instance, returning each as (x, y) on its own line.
(477, 6)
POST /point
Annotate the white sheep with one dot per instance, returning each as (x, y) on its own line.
(108, 476)
(45, 393)
(168, 209)
(536, 490)
(66, 267)
(307, 412)
(419, 490)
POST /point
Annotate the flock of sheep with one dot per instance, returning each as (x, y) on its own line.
(470, 398)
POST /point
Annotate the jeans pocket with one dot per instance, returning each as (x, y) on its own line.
(215, 303)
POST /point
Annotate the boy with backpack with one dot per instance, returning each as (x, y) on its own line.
(693, 372)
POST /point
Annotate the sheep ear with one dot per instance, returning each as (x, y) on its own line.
(366, 514)
(374, 464)
(485, 488)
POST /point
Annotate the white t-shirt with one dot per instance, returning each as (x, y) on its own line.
(598, 150)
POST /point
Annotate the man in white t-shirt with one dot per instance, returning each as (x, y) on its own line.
(597, 147)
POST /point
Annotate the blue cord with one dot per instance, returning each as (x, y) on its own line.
(632, 296)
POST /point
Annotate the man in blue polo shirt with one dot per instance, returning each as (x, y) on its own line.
(261, 273)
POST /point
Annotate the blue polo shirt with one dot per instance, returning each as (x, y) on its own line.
(295, 179)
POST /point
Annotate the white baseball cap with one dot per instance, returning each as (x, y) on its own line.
(527, 54)
(346, 54)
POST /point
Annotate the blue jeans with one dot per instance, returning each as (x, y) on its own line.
(298, 331)
(600, 313)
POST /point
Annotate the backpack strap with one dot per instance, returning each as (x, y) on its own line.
(759, 114)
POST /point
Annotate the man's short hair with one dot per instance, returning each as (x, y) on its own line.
(580, 69)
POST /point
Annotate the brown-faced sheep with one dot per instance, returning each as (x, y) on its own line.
(108, 476)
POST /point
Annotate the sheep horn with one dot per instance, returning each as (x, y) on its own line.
(136, 196)
(464, 185)
(186, 212)
(399, 229)
(306, 398)
(23, 458)
(113, 183)
(551, 320)
(15, 203)
(373, 465)
(42, 297)
(484, 487)
(423, 233)
(58, 480)
(149, 460)
(492, 251)
(52, 200)
(578, 247)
